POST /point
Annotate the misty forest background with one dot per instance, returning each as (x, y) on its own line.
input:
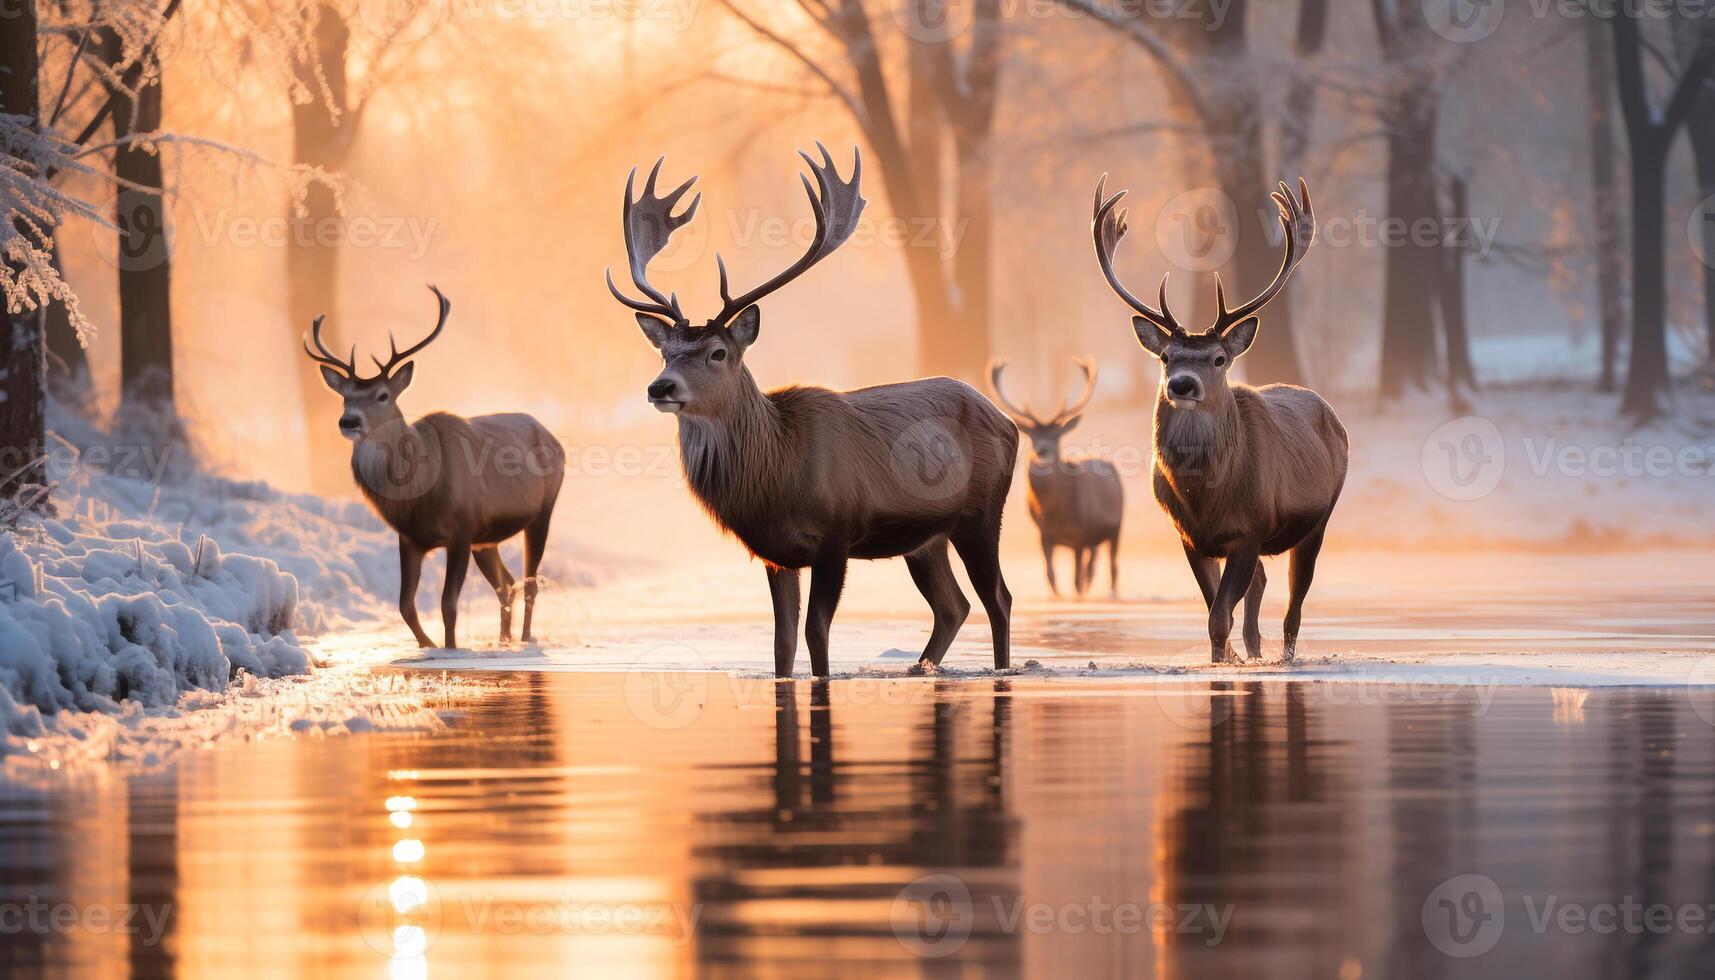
(1503, 192)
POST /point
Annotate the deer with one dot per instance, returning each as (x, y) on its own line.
(1243, 472)
(807, 477)
(1077, 502)
(444, 481)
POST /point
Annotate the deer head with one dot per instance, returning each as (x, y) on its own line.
(370, 403)
(1045, 434)
(703, 365)
(1194, 365)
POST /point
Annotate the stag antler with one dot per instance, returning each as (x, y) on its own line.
(649, 224)
(1018, 412)
(1108, 227)
(837, 205)
(321, 355)
(397, 355)
(1088, 366)
(1299, 223)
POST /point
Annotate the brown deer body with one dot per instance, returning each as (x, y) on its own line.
(1243, 472)
(806, 477)
(1077, 502)
(444, 481)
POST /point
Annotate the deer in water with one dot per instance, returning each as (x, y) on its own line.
(806, 477)
(1243, 472)
(465, 485)
(1077, 502)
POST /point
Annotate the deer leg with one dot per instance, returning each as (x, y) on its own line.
(783, 586)
(535, 542)
(1081, 571)
(489, 563)
(1048, 561)
(1114, 567)
(979, 549)
(827, 581)
(934, 577)
(1253, 606)
(458, 564)
(1235, 579)
(1208, 574)
(1303, 569)
(410, 573)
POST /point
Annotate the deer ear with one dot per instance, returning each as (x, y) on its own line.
(399, 380)
(746, 326)
(655, 328)
(1239, 337)
(1149, 335)
(1070, 424)
(334, 379)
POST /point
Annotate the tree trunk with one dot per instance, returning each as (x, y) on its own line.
(1461, 374)
(143, 254)
(68, 361)
(1701, 128)
(1413, 263)
(1604, 195)
(23, 431)
(1648, 383)
(319, 139)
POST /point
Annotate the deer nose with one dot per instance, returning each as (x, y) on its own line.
(349, 422)
(1182, 386)
(662, 388)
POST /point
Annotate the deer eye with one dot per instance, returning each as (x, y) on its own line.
(382, 397)
(1220, 360)
(718, 355)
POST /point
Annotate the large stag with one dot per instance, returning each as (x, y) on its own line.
(465, 485)
(1243, 472)
(1076, 501)
(806, 477)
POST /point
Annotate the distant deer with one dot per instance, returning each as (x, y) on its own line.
(1077, 502)
(1243, 472)
(808, 477)
(465, 485)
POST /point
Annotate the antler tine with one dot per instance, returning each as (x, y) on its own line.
(836, 205)
(1108, 228)
(1018, 413)
(1088, 366)
(1298, 222)
(396, 356)
(322, 355)
(649, 225)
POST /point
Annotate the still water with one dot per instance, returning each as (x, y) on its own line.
(665, 825)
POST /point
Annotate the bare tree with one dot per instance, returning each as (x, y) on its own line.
(950, 92)
(1650, 134)
(133, 83)
(1604, 192)
(1204, 56)
(22, 394)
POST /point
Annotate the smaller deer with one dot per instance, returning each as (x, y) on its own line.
(465, 485)
(1077, 502)
(1243, 472)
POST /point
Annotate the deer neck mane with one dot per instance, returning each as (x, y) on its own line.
(731, 460)
(1201, 447)
(395, 467)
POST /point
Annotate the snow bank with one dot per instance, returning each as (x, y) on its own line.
(150, 579)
